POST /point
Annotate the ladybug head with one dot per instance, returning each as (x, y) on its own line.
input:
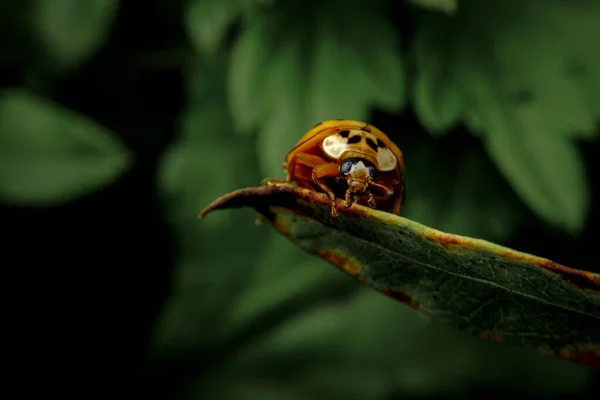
(358, 172)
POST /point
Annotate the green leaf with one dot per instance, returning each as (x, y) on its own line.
(207, 21)
(534, 163)
(284, 78)
(447, 6)
(437, 101)
(529, 95)
(282, 272)
(471, 198)
(50, 155)
(467, 284)
(205, 160)
(73, 30)
(249, 57)
(368, 347)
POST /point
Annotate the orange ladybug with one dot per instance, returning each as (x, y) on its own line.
(350, 160)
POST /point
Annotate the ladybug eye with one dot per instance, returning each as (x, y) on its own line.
(372, 172)
(346, 167)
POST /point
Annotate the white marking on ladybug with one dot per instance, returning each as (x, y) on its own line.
(359, 171)
(336, 145)
(386, 159)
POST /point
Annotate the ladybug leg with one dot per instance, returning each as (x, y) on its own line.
(327, 170)
(371, 201)
(296, 169)
(387, 192)
(273, 182)
(384, 190)
(349, 198)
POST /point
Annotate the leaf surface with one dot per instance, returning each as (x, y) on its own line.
(447, 6)
(74, 30)
(529, 94)
(468, 284)
(207, 22)
(50, 155)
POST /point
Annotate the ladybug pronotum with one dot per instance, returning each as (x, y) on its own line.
(359, 157)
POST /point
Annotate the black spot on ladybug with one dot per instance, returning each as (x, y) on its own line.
(344, 134)
(354, 139)
(371, 144)
(366, 128)
(380, 143)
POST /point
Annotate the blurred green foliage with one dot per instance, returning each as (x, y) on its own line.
(523, 77)
(73, 30)
(50, 155)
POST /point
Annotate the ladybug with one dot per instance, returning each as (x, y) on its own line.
(360, 157)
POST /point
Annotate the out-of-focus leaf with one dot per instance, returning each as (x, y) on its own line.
(280, 273)
(207, 22)
(437, 100)
(369, 347)
(530, 93)
(50, 155)
(205, 160)
(534, 162)
(470, 198)
(249, 58)
(468, 284)
(447, 6)
(73, 30)
(283, 76)
(276, 138)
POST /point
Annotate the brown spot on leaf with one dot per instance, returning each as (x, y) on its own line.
(260, 219)
(403, 297)
(342, 261)
(282, 226)
(492, 335)
(448, 240)
(586, 355)
(581, 279)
